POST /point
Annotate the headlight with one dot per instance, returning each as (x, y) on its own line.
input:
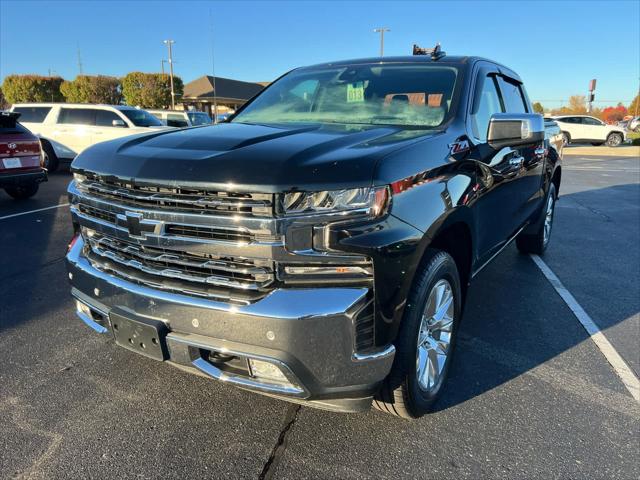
(78, 177)
(370, 201)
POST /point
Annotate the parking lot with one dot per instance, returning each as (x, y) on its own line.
(530, 394)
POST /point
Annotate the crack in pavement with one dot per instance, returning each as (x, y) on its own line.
(281, 445)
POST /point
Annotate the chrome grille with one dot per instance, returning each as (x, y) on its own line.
(194, 273)
(176, 229)
(178, 198)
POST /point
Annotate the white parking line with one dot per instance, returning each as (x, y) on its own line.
(34, 211)
(621, 368)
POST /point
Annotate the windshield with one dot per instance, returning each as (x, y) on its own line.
(199, 118)
(142, 118)
(403, 95)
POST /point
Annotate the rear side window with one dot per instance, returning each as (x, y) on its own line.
(591, 121)
(32, 114)
(176, 120)
(512, 96)
(105, 118)
(77, 116)
(486, 103)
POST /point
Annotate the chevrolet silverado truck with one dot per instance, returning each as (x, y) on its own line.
(318, 246)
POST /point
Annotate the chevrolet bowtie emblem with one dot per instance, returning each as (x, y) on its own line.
(133, 223)
(136, 224)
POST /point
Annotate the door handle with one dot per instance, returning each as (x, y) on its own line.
(516, 161)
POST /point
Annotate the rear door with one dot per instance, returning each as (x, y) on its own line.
(594, 129)
(74, 127)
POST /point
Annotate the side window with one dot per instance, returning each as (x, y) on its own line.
(512, 96)
(176, 120)
(105, 118)
(592, 121)
(77, 116)
(486, 103)
(32, 114)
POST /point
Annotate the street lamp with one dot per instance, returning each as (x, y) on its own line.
(381, 31)
(169, 43)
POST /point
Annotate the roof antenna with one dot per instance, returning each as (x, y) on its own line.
(213, 72)
(435, 52)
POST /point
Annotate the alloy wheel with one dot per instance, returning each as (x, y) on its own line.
(434, 337)
(548, 219)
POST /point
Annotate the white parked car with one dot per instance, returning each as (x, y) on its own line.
(181, 118)
(586, 129)
(66, 129)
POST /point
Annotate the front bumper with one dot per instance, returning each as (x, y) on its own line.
(17, 178)
(306, 332)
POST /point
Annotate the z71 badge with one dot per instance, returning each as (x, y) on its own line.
(459, 147)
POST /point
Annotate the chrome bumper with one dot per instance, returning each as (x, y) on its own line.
(308, 332)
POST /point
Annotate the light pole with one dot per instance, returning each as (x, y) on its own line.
(169, 43)
(381, 31)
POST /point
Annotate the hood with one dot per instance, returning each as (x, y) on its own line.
(251, 157)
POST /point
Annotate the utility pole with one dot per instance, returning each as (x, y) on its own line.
(169, 43)
(79, 61)
(213, 71)
(381, 31)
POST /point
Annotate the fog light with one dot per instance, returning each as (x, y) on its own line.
(82, 308)
(267, 370)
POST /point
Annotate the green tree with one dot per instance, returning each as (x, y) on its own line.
(634, 106)
(538, 108)
(3, 101)
(150, 90)
(32, 88)
(92, 89)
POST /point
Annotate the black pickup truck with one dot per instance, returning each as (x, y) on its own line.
(317, 246)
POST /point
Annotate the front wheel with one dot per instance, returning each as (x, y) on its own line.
(565, 139)
(614, 139)
(538, 241)
(22, 192)
(426, 339)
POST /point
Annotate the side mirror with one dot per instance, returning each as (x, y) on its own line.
(118, 123)
(513, 129)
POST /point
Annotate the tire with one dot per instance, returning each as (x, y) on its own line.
(614, 139)
(539, 241)
(51, 159)
(22, 192)
(566, 139)
(403, 393)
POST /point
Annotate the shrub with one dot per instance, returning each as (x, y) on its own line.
(32, 88)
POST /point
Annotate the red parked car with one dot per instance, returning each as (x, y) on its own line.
(21, 158)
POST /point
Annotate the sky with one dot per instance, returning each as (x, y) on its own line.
(555, 46)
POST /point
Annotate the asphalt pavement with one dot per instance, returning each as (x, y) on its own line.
(530, 395)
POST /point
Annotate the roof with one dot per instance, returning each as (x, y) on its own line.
(444, 60)
(225, 88)
(398, 59)
(73, 105)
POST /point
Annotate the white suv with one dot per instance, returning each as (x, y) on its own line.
(585, 129)
(66, 129)
(181, 118)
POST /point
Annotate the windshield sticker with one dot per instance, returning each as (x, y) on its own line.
(355, 92)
